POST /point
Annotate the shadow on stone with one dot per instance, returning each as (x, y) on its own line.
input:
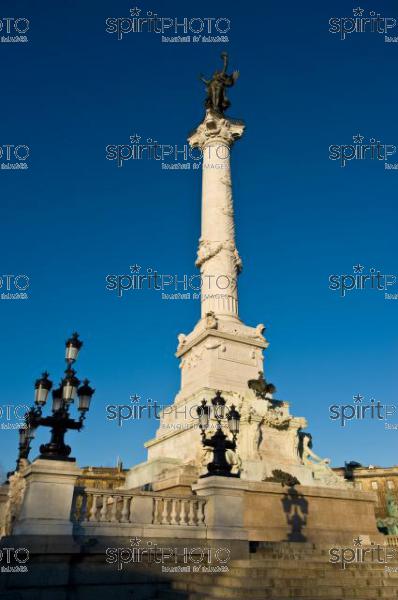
(295, 507)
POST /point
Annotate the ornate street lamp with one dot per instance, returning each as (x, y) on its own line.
(57, 398)
(218, 403)
(72, 345)
(233, 418)
(42, 387)
(60, 420)
(203, 412)
(69, 386)
(219, 442)
(26, 435)
(85, 393)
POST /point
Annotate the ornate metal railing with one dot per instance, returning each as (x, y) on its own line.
(118, 506)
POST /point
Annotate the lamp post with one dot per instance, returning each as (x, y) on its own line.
(60, 420)
(219, 442)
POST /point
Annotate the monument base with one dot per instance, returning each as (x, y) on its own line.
(146, 473)
(265, 511)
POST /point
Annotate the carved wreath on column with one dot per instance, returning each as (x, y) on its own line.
(208, 250)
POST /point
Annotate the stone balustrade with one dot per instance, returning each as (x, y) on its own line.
(392, 540)
(179, 511)
(120, 506)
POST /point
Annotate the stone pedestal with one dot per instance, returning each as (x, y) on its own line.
(269, 512)
(48, 498)
(225, 500)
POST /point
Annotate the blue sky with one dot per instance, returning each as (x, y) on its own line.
(73, 217)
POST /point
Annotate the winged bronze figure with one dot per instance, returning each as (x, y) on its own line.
(216, 95)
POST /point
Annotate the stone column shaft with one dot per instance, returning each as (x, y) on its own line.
(218, 258)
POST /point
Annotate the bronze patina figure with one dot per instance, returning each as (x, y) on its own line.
(390, 523)
(261, 387)
(283, 478)
(216, 96)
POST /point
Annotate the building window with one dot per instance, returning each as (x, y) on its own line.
(374, 485)
(390, 485)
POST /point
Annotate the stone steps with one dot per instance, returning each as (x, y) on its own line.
(304, 563)
(336, 591)
(322, 574)
(237, 582)
(326, 568)
(289, 572)
(283, 574)
(172, 595)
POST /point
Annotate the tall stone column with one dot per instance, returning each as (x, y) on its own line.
(218, 258)
(221, 352)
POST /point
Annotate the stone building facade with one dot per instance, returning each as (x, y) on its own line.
(102, 478)
(381, 480)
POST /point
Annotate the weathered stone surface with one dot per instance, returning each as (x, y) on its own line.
(48, 498)
(261, 511)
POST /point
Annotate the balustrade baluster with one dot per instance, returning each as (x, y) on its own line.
(183, 513)
(191, 516)
(114, 509)
(124, 517)
(83, 508)
(173, 514)
(104, 508)
(131, 510)
(156, 514)
(201, 511)
(93, 511)
(165, 515)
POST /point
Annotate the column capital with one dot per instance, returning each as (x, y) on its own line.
(216, 128)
